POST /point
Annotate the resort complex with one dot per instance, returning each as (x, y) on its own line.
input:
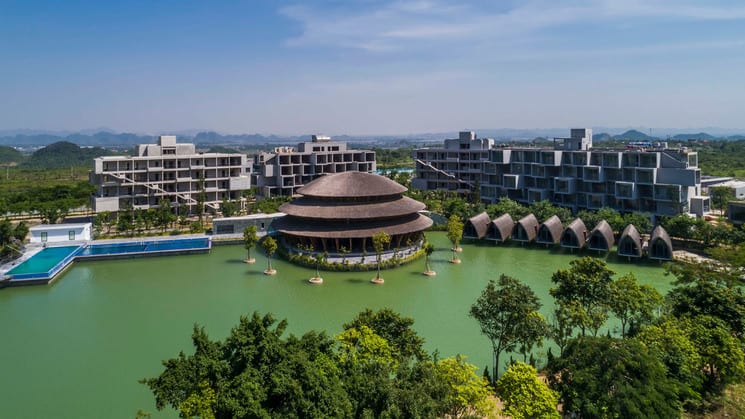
(168, 170)
(287, 169)
(650, 178)
(340, 213)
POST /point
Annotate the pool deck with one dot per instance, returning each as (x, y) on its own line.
(31, 250)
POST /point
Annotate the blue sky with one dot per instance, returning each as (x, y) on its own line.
(370, 66)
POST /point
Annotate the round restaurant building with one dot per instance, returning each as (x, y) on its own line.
(339, 214)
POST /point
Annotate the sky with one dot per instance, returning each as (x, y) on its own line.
(370, 67)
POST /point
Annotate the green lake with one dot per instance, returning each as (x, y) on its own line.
(77, 348)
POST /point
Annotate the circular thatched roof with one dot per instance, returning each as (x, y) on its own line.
(308, 207)
(351, 184)
(359, 229)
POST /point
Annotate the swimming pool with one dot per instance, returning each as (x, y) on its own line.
(45, 263)
(42, 267)
(151, 246)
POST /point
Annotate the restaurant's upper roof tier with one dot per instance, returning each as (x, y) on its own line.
(309, 207)
(351, 184)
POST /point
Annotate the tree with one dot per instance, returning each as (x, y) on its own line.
(228, 208)
(507, 206)
(584, 290)
(455, 233)
(533, 330)
(631, 302)
(466, 390)
(642, 221)
(201, 198)
(671, 344)
(165, 216)
(525, 396)
(254, 372)
(124, 221)
(380, 240)
(428, 248)
(720, 197)
(395, 329)
(502, 310)
(613, 218)
(249, 240)
(601, 377)
(721, 356)
(270, 246)
(543, 210)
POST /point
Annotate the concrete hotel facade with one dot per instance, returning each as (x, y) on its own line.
(648, 178)
(169, 170)
(287, 169)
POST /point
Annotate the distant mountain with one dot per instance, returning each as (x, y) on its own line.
(699, 136)
(10, 155)
(63, 154)
(603, 136)
(634, 135)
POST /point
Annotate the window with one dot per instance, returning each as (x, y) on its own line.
(71, 234)
(43, 236)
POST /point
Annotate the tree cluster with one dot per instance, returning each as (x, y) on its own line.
(376, 367)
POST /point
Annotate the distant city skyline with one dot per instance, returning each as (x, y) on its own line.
(372, 67)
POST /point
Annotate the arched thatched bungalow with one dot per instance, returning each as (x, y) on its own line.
(500, 229)
(550, 231)
(660, 246)
(630, 243)
(341, 212)
(575, 235)
(601, 237)
(526, 229)
(476, 226)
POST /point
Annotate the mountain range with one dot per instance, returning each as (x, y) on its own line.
(109, 138)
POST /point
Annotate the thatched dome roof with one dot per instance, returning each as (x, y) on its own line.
(350, 185)
(501, 227)
(360, 229)
(660, 240)
(310, 207)
(577, 230)
(604, 232)
(630, 242)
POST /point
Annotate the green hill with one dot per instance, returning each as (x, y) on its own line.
(699, 136)
(64, 154)
(634, 135)
(10, 155)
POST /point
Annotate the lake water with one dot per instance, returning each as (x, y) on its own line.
(75, 349)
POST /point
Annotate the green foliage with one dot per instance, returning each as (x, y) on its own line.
(250, 238)
(268, 205)
(270, 246)
(720, 197)
(633, 303)
(454, 232)
(164, 216)
(228, 208)
(428, 248)
(363, 345)
(640, 220)
(63, 154)
(543, 210)
(380, 241)
(11, 238)
(10, 155)
(467, 392)
(672, 345)
(503, 309)
(405, 344)
(600, 377)
(254, 372)
(525, 396)
(583, 291)
(722, 360)
(507, 206)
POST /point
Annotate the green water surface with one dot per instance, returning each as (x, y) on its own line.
(75, 349)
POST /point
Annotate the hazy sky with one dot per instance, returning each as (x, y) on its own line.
(370, 66)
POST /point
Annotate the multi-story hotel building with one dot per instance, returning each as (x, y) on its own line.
(648, 177)
(170, 170)
(287, 169)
